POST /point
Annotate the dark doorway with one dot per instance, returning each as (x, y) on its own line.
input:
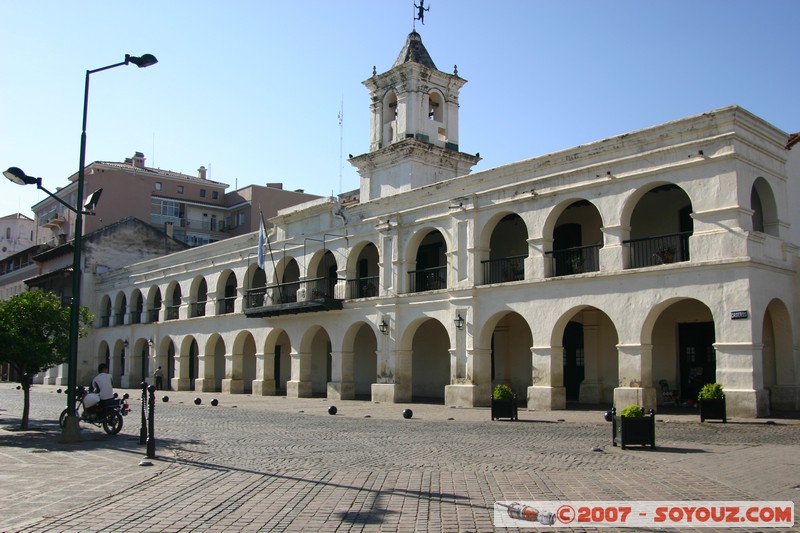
(567, 240)
(698, 363)
(277, 370)
(573, 360)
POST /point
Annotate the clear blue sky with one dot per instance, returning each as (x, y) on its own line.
(252, 89)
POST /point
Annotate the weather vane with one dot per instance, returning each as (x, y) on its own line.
(420, 16)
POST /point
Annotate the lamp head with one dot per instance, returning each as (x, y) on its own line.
(92, 201)
(144, 61)
(16, 175)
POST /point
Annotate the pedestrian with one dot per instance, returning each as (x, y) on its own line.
(159, 375)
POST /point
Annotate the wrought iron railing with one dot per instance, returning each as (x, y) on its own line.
(119, 318)
(663, 249)
(576, 260)
(136, 316)
(504, 269)
(227, 304)
(363, 287)
(104, 321)
(152, 315)
(197, 309)
(172, 312)
(427, 279)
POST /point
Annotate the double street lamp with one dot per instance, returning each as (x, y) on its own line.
(71, 431)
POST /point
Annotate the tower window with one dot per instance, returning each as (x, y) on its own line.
(435, 107)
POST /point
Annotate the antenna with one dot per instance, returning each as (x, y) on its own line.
(341, 137)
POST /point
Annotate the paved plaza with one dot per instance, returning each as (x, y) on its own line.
(278, 464)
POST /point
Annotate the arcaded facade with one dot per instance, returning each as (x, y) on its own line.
(630, 270)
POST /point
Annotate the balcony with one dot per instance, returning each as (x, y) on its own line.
(363, 287)
(427, 279)
(577, 260)
(292, 298)
(172, 312)
(504, 269)
(197, 309)
(152, 315)
(136, 317)
(664, 249)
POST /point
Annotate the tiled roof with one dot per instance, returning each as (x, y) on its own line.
(414, 52)
(158, 172)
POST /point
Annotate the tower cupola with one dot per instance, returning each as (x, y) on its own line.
(413, 125)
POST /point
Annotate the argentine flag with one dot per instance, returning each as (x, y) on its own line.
(262, 240)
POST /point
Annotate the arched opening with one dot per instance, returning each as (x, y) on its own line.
(120, 307)
(322, 281)
(364, 275)
(228, 301)
(684, 358)
(778, 366)
(511, 355)
(431, 264)
(508, 249)
(435, 107)
(765, 211)
(155, 305)
(390, 112)
(590, 361)
(137, 307)
(199, 297)
(577, 239)
(105, 317)
(430, 362)
(661, 225)
(174, 301)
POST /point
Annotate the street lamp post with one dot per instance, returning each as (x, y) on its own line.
(71, 432)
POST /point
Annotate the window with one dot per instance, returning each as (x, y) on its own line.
(166, 207)
(214, 195)
(157, 185)
(8, 234)
(180, 189)
(202, 193)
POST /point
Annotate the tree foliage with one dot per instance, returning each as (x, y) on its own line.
(34, 335)
(34, 331)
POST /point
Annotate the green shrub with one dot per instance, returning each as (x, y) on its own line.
(711, 391)
(502, 392)
(632, 411)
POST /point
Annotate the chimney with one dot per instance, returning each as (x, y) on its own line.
(138, 160)
(201, 173)
(275, 185)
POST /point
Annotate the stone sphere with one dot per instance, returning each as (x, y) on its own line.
(332, 410)
(165, 398)
(214, 402)
(198, 401)
(58, 391)
(407, 413)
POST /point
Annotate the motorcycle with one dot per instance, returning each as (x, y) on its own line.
(87, 410)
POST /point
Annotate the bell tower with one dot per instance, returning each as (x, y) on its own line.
(413, 126)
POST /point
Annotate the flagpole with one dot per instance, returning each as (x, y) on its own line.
(271, 255)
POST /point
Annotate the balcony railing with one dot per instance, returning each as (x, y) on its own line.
(172, 312)
(136, 316)
(227, 304)
(363, 287)
(104, 321)
(318, 294)
(119, 318)
(673, 248)
(197, 309)
(504, 269)
(152, 315)
(427, 279)
(576, 260)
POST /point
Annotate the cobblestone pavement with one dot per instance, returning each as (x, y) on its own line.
(277, 464)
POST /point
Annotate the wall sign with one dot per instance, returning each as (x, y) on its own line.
(739, 315)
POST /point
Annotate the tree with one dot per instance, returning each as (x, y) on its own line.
(34, 336)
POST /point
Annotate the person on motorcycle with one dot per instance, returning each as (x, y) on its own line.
(102, 385)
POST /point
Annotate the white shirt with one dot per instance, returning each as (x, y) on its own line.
(102, 383)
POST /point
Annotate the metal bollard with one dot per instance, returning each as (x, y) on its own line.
(143, 429)
(151, 437)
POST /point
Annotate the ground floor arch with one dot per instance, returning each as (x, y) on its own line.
(430, 362)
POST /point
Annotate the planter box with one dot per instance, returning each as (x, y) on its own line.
(639, 431)
(713, 410)
(504, 408)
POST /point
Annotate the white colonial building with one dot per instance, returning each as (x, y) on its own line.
(630, 270)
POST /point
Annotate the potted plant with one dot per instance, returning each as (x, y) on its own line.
(633, 427)
(504, 402)
(666, 254)
(712, 402)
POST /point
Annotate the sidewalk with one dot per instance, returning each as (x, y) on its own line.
(261, 463)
